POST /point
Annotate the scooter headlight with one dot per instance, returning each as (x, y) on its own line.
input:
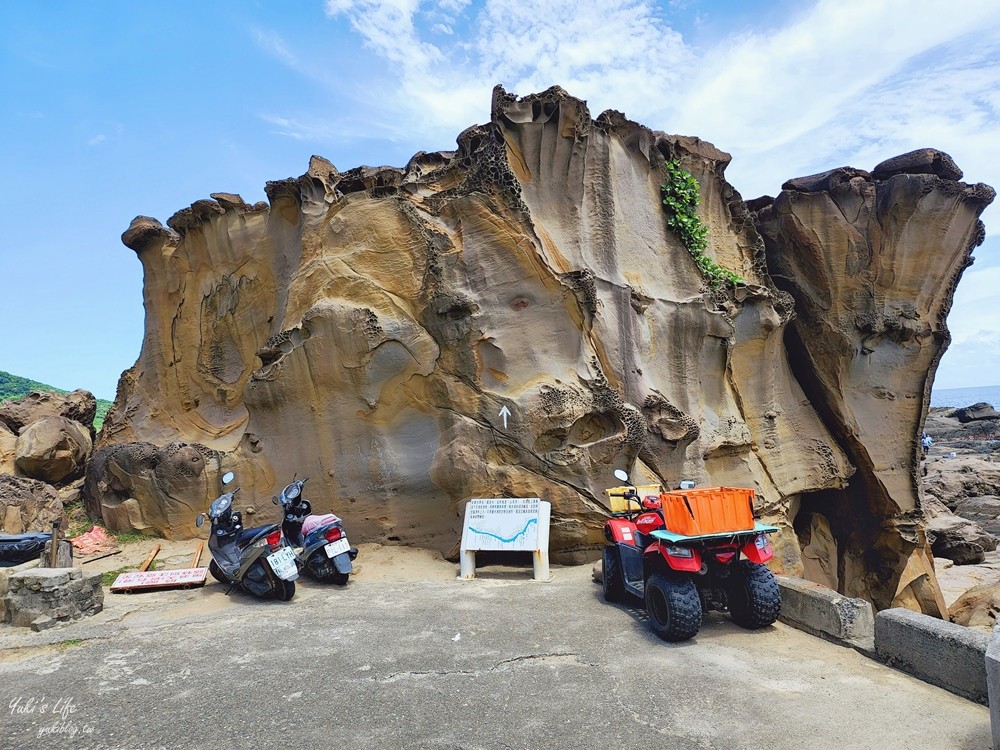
(292, 491)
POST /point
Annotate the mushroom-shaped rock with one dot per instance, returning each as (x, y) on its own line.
(144, 231)
(921, 161)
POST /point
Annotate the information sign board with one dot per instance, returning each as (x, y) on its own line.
(506, 524)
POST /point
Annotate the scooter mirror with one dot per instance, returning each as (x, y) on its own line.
(621, 476)
(199, 521)
(274, 499)
(228, 477)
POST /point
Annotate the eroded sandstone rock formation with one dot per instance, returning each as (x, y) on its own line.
(365, 328)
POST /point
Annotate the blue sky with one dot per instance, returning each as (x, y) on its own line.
(118, 109)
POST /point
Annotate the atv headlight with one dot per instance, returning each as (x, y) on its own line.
(761, 542)
(679, 552)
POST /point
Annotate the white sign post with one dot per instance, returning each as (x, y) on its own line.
(506, 524)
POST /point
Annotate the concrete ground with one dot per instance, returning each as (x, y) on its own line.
(432, 662)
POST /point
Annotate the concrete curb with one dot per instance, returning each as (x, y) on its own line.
(823, 612)
(942, 653)
(993, 683)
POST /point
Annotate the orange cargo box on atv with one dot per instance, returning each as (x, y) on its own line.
(708, 510)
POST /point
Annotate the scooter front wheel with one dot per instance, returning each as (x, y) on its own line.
(216, 571)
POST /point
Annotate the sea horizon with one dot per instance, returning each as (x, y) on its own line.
(957, 397)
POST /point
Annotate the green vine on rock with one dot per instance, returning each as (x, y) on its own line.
(681, 196)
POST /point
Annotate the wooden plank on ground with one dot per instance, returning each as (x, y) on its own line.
(197, 555)
(149, 559)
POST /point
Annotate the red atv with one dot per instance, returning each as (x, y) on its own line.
(682, 575)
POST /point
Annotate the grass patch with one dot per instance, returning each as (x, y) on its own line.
(69, 643)
(128, 537)
(110, 576)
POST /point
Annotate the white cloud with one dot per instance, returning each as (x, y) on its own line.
(974, 361)
(97, 139)
(976, 309)
(274, 45)
(841, 82)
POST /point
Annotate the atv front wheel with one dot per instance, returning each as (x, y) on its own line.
(754, 596)
(611, 580)
(674, 607)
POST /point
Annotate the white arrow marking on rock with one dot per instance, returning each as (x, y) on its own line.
(504, 412)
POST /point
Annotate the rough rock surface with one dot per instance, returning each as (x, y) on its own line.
(52, 449)
(976, 412)
(8, 442)
(954, 537)
(872, 263)
(27, 505)
(956, 480)
(80, 406)
(366, 327)
(139, 487)
(977, 607)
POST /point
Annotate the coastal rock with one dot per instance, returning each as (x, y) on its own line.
(367, 328)
(27, 505)
(140, 487)
(976, 412)
(52, 449)
(984, 510)
(965, 476)
(80, 406)
(977, 607)
(8, 453)
(868, 332)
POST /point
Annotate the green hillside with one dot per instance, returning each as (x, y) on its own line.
(14, 386)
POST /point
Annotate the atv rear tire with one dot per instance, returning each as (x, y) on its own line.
(611, 580)
(216, 571)
(674, 607)
(754, 596)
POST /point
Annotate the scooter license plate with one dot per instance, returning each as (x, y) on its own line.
(282, 563)
(338, 547)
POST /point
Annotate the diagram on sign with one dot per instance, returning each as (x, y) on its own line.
(501, 524)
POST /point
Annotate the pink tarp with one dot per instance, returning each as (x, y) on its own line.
(94, 541)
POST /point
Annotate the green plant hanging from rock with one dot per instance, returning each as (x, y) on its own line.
(681, 196)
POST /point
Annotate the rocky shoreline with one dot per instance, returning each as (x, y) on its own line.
(961, 484)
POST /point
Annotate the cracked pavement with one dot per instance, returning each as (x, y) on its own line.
(500, 662)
